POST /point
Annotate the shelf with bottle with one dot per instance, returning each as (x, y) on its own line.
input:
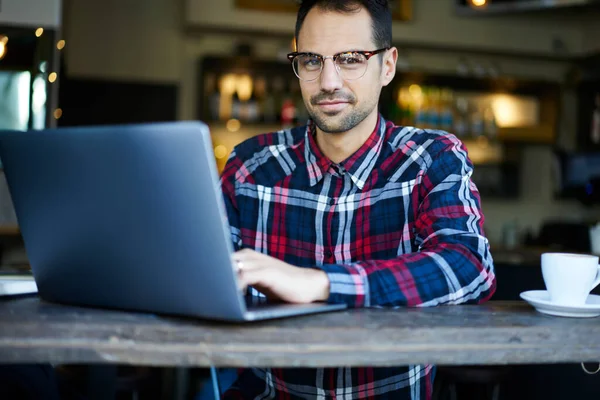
(249, 91)
(443, 109)
(500, 110)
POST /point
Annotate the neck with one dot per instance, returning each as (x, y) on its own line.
(339, 146)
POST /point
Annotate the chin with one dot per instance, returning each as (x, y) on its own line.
(329, 126)
(334, 129)
(336, 123)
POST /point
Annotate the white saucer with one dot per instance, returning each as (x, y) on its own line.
(540, 299)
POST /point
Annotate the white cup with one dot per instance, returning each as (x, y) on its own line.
(570, 278)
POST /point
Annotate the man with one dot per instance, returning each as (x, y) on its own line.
(351, 208)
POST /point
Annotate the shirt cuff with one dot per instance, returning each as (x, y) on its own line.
(348, 284)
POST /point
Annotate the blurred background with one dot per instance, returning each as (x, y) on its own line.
(517, 80)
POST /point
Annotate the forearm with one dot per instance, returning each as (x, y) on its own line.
(450, 273)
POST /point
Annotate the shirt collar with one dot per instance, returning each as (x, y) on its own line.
(359, 165)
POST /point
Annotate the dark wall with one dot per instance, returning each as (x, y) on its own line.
(101, 102)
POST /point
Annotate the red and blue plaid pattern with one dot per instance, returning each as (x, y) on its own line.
(397, 224)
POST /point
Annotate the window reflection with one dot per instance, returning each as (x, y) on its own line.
(14, 100)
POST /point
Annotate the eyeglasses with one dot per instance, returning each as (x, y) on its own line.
(350, 65)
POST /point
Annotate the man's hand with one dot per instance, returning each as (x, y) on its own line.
(279, 280)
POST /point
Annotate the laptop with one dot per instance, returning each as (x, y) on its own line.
(129, 217)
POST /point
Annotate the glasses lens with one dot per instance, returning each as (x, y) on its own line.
(307, 67)
(352, 65)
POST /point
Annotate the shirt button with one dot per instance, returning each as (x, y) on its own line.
(328, 253)
(331, 202)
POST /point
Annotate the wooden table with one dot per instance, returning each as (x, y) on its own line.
(495, 333)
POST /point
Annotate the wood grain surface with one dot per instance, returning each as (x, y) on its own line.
(495, 333)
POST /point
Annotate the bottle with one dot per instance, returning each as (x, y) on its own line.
(244, 89)
(236, 106)
(288, 108)
(476, 120)
(434, 110)
(489, 120)
(278, 91)
(422, 109)
(260, 95)
(446, 111)
(226, 91)
(212, 96)
(288, 113)
(252, 108)
(406, 107)
(269, 115)
(461, 117)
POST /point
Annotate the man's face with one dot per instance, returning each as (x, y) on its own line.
(334, 104)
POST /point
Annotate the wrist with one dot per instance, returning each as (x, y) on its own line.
(321, 285)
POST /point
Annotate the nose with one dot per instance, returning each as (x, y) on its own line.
(330, 78)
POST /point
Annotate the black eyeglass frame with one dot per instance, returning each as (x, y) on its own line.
(367, 54)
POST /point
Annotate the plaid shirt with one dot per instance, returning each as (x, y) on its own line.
(398, 223)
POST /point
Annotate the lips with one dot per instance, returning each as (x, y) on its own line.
(332, 106)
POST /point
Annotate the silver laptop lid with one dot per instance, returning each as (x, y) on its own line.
(124, 216)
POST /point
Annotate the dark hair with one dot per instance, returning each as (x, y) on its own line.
(378, 9)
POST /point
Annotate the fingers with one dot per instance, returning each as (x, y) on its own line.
(252, 278)
(239, 268)
(256, 279)
(251, 270)
(246, 266)
(244, 260)
(249, 278)
(262, 272)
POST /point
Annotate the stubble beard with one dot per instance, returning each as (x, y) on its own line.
(337, 122)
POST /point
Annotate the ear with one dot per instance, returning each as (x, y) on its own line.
(388, 69)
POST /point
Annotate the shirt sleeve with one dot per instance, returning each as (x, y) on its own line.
(227, 183)
(453, 263)
(228, 180)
